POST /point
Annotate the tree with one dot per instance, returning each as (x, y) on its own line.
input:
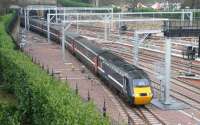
(85, 1)
(4, 4)
(133, 3)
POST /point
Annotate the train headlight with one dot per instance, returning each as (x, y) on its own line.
(137, 95)
(150, 94)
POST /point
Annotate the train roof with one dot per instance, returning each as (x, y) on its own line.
(89, 43)
(126, 67)
(131, 70)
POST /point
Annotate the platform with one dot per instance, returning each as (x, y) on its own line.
(174, 105)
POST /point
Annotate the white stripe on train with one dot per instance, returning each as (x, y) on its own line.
(98, 67)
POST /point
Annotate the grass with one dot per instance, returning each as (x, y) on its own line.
(73, 3)
(41, 99)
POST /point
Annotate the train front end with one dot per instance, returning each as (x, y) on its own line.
(142, 92)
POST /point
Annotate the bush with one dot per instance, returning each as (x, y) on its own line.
(6, 20)
(142, 10)
(196, 15)
(9, 114)
(5, 39)
(73, 3)
(116, 9)
(42, 100)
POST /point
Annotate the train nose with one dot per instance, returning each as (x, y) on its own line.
(142, 95)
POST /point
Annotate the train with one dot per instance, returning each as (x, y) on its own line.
(131, 82)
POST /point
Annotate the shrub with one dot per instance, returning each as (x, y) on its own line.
(116, 9)
(42, 100)
(5, 39)
(142, 10)
(73, 3)
(9, 114)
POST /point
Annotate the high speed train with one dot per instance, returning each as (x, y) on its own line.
(130, 81)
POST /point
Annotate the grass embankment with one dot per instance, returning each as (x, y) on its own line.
(9, 114)
(5, 39)
(41, 99)
(73, 3)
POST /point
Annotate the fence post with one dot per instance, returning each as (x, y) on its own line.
(129, 121)
(76, 89)
(52, 73)
(88, 95)
(42, 66)
(104, 108)
(48, 69)
(66, 78)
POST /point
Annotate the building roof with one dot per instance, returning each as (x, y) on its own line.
(111, 58)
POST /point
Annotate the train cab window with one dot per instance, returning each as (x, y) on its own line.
(140, 82)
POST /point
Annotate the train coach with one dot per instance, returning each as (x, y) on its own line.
(130, 81)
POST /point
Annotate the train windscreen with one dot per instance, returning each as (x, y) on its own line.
(140, 82)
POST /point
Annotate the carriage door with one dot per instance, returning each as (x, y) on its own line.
(125, 84)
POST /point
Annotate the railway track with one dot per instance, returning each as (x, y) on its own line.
(176, 93)
(176, 65)
(155, 56)
(181, 90)
(127, 36)
(150, 116)
(140, 115)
